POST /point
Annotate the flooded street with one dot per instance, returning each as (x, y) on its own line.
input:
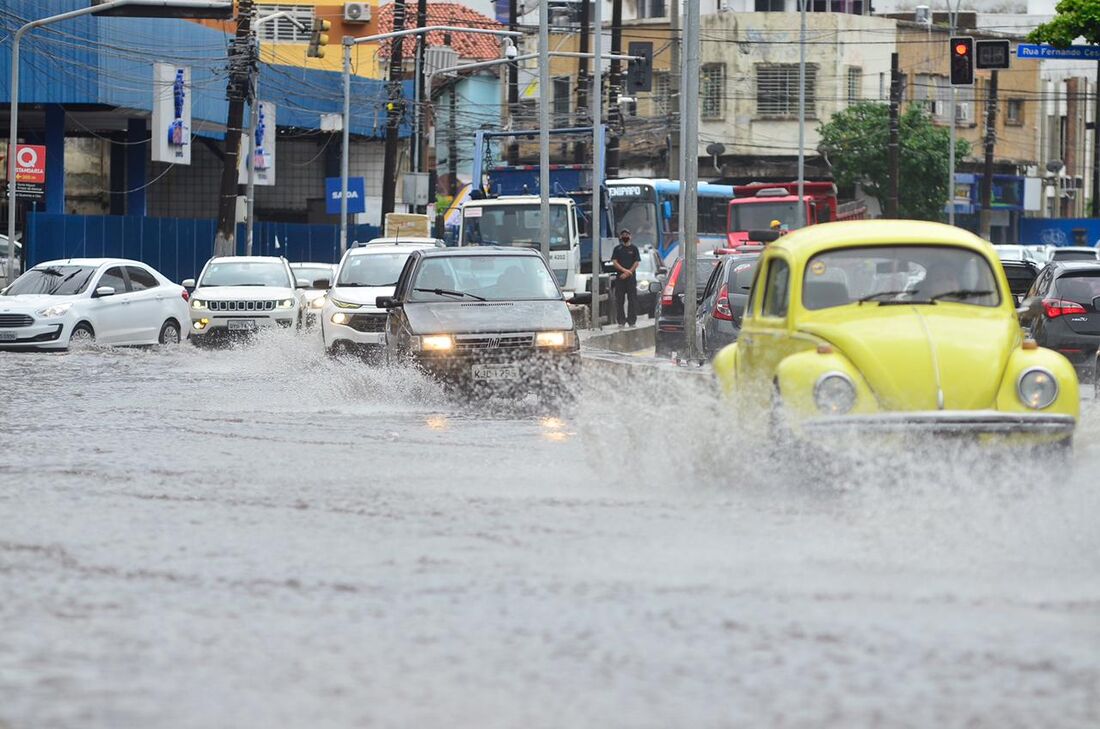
(263, 537)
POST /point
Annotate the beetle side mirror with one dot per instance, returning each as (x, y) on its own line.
(188, 283)
(104, 291)
(386, 302)
(322, 283)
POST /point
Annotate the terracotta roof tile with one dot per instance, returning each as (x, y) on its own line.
(470, 46)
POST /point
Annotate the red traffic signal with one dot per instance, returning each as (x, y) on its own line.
(962, 61)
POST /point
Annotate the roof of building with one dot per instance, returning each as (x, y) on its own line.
(470, 46)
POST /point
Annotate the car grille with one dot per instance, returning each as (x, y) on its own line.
(368, 322)
(15, 320)
(511, 341)
(240, 305)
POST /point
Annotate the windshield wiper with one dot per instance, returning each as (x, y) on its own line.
(874, 296)
(61, 283)
(51, 271)
(445, 292)
(960, 294)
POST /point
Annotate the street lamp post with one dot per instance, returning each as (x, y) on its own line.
(802, 115)
(348, 43)
(254, 117)
(194, 6)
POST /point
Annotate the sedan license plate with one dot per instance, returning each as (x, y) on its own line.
(7, 336)
(490, 373)
(242, 325)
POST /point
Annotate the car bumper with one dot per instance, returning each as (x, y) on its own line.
(218, 325)
(531, 368)
(957, 423)
(368, 331)
(39, 335)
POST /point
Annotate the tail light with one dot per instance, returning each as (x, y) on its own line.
(1060, 307)
(186, 296)
(670, 285)
(722, 304)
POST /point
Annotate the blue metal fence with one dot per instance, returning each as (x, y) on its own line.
(1060, 231)
(177, 247)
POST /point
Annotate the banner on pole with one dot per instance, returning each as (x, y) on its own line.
(171, 114)
(262, 139)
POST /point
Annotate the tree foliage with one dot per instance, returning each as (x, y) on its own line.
(855, 142)
(1075, 18)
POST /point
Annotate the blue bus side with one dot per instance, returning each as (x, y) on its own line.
(670, 189)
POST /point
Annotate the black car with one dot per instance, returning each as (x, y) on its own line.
(669, 334)
(487, 318)
(723, 306)
(1021, 275)
(1061, 312)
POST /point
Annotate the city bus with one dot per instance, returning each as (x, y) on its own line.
(649, 208)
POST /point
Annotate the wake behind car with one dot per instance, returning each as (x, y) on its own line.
(485, 317)
(893, 326)
(109, 300)
(239, 295)
(350, 318)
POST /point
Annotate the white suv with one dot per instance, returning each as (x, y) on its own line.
(350, 320)
(242, 294)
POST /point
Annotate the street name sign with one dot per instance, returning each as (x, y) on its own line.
(1031, 50)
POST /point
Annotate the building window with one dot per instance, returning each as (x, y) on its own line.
(777, 91)
(1014, 112)
(561, 101)
(650, 8)
(712, 90)
(282, 30)
(770, 6)
(661, 96)
(855, 84)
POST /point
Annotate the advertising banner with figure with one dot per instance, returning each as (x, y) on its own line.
(262, 140)
(171, 135)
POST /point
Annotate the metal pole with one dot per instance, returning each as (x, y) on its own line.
(801, 115)
(345, 151)
(893, 151)
(675, 149)
(251, 191)
(689, 173)
(597, 158)
(952, 18)
(1095, 145)
(544, 130)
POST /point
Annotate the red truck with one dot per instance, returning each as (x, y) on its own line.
(756, 205)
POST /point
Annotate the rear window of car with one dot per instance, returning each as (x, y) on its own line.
(1075, 255)
(703, 268)
(740, 276)
(1080, 287)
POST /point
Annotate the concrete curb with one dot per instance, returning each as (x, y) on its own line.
(614, 339)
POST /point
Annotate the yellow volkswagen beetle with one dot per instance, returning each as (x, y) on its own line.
(894, 325)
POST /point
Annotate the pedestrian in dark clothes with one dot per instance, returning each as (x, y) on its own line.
(626, 258)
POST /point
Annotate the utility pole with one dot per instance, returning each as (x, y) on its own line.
(802, 222)
(545, 95)
(513, 89)
(893, 157)
(673, 171)
(689, 172)
(615, 80)
(952, 20)
(579, 151)
(1095, 144)
(597, 163)
(394, 111)
(985, 217)
(418, 94)
(240, 65)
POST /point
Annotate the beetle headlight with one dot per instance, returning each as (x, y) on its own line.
(834, 393)
(1037, 388)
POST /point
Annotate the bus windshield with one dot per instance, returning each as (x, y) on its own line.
(635, 209)
(759, 215)
(513, 225)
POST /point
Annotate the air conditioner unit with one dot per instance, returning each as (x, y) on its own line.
(356, 13)
(962, 111)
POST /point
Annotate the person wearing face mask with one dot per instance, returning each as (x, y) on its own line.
(625, 258)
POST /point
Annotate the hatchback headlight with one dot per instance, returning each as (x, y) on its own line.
(834, 393)
(437, 343)
(198, 304)
(54, 310)
(286, 304)
(552, 339)
(317, 303)
(1037, 388)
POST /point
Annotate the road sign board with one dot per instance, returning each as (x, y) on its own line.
(357, 202)
(1030, 50)
(992, 54)
(30, 163)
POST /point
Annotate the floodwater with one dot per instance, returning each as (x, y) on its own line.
(262, 537)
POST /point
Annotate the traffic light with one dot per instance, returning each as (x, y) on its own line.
(962, 61)
(639, 74)
(318, 38)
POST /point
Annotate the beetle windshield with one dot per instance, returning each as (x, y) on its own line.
(488, 278)
(898, 274)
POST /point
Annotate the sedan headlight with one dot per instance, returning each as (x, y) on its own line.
(437, 343)
(834, 393)
(286, 304)
(198, 304)
(1037, 388)
(317, 303)
(54, 310)
(553, 339)
(345, 304)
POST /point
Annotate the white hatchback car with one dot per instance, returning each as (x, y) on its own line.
(109, 300)
(314, 296)
(350, 320)
(238, 295)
